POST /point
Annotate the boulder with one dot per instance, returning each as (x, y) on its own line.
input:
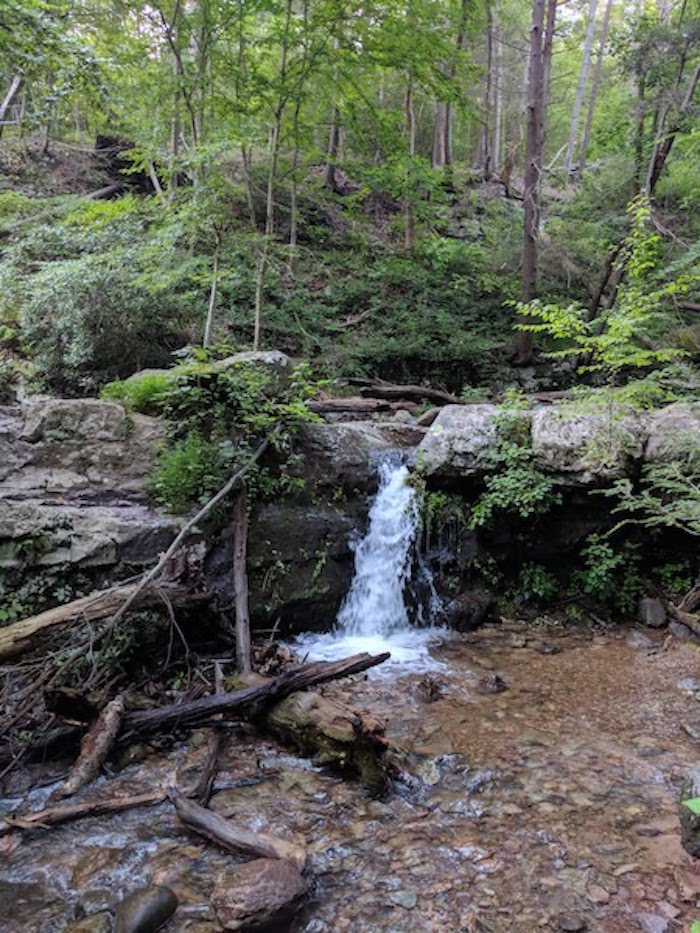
(346, 454)
(690, 820)
(671, 431)
(582, 448)
(257, 893)
(652, 613)
(457, 443)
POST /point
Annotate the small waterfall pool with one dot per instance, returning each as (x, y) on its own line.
(376, 615)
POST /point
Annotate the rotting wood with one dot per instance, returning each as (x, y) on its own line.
(27, 634)
(233, 838)
(333, 734)
(249, 700)
(95, 747)
(392, 392)
(689, 619)
(52, 816)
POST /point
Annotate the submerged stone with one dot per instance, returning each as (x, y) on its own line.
(144, 910)
(257, 893)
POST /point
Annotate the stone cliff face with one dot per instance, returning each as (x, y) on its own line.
(75, 513)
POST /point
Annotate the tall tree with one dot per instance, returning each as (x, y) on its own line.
(581, 86)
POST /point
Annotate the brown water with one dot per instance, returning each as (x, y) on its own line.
(549, 806)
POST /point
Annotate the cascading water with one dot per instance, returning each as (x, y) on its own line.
(375, 615)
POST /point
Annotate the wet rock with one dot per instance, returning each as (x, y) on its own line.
(470, 610)
(692, 729)
(652, 923)
(144, 910)
(690, 821)
(689, 684)
(572, 923)
(257, 893)
(490, 683)
(639, 640)
(652, 613)
(679, 630)
(407, 899)
(96, 923)
(429, 689)
(545, 647)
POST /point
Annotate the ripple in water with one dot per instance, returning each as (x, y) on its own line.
(374, 616)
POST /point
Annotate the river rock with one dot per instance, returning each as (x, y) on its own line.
(671, 430)
(652, 613)
(95, 923)
(690, 821)
(458, 441)
(144, 910)
(256, 893)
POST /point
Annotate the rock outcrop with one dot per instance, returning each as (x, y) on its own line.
(73, 478)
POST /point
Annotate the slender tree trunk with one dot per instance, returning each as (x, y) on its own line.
(332, 151)
(240, 580)
(581, 86)
(13, 90)
(485, 130)
(639, 131)
(540, 56)
(410, 228)
(663, 148)
(586, 141)
(439, 155)
(498, 101)
(209, 326)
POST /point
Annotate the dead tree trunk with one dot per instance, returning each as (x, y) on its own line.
(586, 141)
(581, 86)
(14, 89)
(240, 580)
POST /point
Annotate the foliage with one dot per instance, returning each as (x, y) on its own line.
(216, 414)
(515, 485)
(611, 576)
(536, 584)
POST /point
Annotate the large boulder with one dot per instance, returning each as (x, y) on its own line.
(346, 454)
(73, 491)
(671, 431)
(457, 443)
(582, 448)
(260, 893)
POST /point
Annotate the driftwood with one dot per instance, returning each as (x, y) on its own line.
(333, 734)
(95, 747)
(28, 634)
(52, 816)
(234, 838)
(249, 700)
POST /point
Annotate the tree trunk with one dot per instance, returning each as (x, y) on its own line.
(662, 150)
(485, 129)
(439, 155)
(581, 86)
(498, 102)
(240, 580)
(410, 227)
(586, 141)
(332, 151)
(524, 353)
(14, 89)
(209, 326)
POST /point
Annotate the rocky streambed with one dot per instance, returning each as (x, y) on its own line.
(549, 805)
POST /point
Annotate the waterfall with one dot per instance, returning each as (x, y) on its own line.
(375, 604)
(388, 604)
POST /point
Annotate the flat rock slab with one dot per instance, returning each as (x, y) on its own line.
(256, 893)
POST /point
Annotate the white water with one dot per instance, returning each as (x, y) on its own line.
(374, 616)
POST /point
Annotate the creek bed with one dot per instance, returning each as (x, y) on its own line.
(551, 805)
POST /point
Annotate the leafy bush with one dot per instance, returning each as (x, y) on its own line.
(536, 584)
(611, 576)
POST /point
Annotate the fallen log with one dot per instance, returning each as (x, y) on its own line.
(52, 816)
(392, 392)
(95, 747)
(359, 406)
(251, 699)
(27, 634)
(233, 838)
(331, 733)
(689, 619)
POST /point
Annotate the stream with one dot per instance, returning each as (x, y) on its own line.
(539, 774)
(551, 805)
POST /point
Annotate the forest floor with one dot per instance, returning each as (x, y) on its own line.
(552, 804)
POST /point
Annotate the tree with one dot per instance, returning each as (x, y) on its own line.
(581, 86)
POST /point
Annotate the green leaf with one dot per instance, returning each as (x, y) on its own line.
(693, 804)
(695, 926)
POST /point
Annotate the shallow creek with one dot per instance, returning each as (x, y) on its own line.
(551, 805)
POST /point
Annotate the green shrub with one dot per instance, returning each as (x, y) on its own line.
(611, 576)
(535, 584)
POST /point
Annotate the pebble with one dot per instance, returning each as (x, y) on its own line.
(407, 899)
(144, 910)
(572, 923)
(652, 923)
(689, 684)
(598, 895)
